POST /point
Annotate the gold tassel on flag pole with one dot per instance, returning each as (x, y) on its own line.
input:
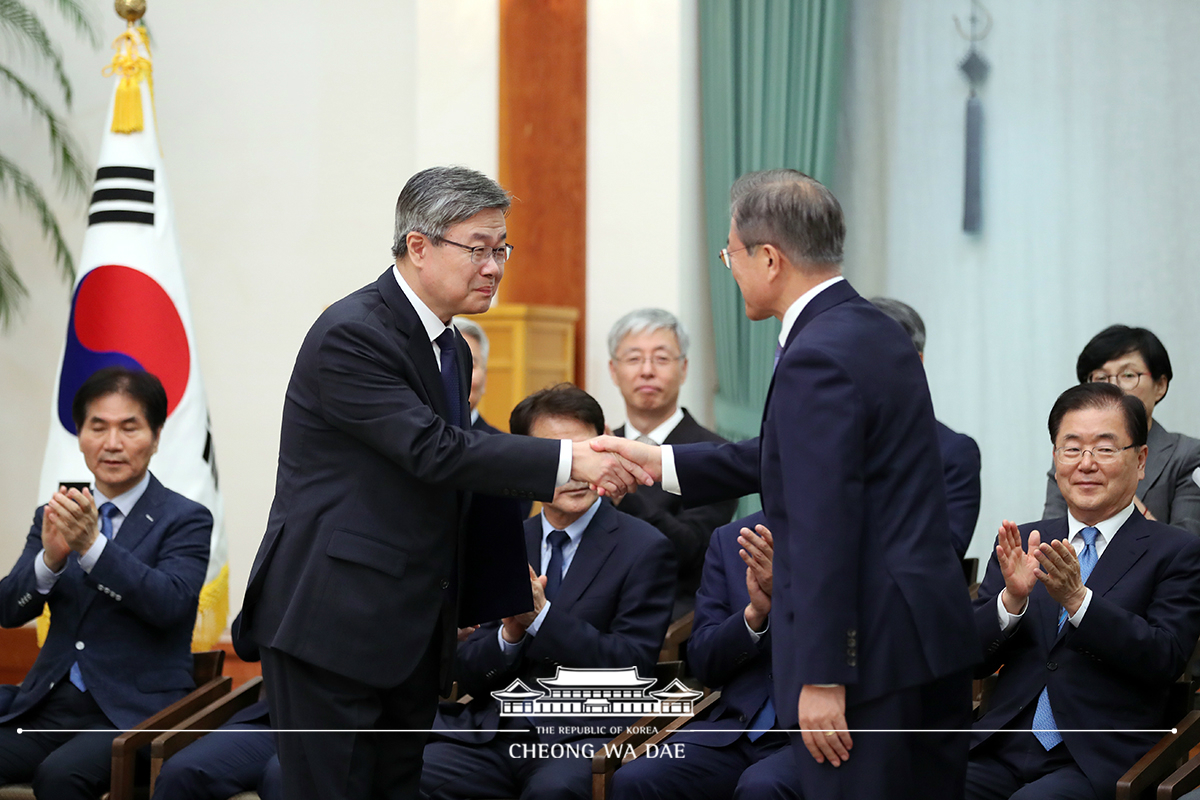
(131, 66)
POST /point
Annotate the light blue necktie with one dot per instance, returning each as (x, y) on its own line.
(778, 354)
(763, 721)
(1045, 728)
(107, 512)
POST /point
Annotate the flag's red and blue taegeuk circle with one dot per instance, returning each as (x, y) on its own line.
(121, 315)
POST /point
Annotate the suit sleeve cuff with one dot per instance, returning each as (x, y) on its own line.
(670, 477)
(44, 579)
(1077, 617)
(564, 463)
(89, 559)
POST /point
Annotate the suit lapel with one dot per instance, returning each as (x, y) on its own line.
(533, 542)
(1161, 446)
(419, 348)
(831, 296)
(595, 546)
(142, 517)
(1128, 545)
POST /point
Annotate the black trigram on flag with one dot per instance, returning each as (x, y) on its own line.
(123, 194)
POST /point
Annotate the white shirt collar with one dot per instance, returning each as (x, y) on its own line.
(793, 313)
(434, 327)
(1107, 528)
(474, 415)
(126, 501)
(659, 434)
(575, 529)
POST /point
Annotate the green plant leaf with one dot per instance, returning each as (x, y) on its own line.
(69, 163)
(29, 32)
(13, 179)
(11, 288)
(76, 13)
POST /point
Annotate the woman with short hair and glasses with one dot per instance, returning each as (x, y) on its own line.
(1135, 360)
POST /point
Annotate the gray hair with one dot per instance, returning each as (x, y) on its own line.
(438, 197)
(790, 210)
(469, 327)
(644, 320)
(907, 316)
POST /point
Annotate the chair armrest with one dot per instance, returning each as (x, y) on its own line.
(1162, 760)
(125, 746)
(677, 633)
(212, 716)
(606, 761)
(1180, 782)
(670, 725)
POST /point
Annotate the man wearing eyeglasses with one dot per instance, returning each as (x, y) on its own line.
(354, 593)
(647, 351)
(1089, 618)
(870, 621)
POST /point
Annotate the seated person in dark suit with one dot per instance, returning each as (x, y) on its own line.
(1136, 361)
(647, 352)
(960, 454)
(1089, 618)
(730, 649)
(121, 568)
(477, 340)
(240, 756)
(602, 584)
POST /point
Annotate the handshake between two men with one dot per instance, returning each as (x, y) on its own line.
(614, 466)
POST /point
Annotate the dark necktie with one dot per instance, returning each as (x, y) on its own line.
(1044, 726)
(107, 512)
(449, 365)
(554, 570)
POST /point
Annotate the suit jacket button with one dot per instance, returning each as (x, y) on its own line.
(1051, 665)
(741, 718)
(445, 583)
(79, 645)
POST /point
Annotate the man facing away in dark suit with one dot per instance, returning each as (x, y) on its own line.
(121, 568)
(736, 750)
(871, 620)
(960, 454)
(647, 351)
(354, 593)
(1092, 617)
(602, 583)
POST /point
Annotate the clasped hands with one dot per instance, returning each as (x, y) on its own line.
(1052, 563)
(70, 521)
(614, 466)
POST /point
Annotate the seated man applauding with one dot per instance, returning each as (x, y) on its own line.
(1089, 618)
(121, 569)
(602, 584)
(737, 750)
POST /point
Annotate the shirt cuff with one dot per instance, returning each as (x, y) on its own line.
(510, 650)
(670, 481)
(44, 579)
(89, 559)
(564, 463)
(1083, 607)
(536, 625)
(1008, 620)
(756, 635)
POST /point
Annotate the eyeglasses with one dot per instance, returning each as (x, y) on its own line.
(480, 255)
(1128, 381)
(660, 360)
(1101, 454)
(725, 252)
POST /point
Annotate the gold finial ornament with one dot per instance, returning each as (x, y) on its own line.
(131, 10)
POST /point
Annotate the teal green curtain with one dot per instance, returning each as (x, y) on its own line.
(770, 92)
